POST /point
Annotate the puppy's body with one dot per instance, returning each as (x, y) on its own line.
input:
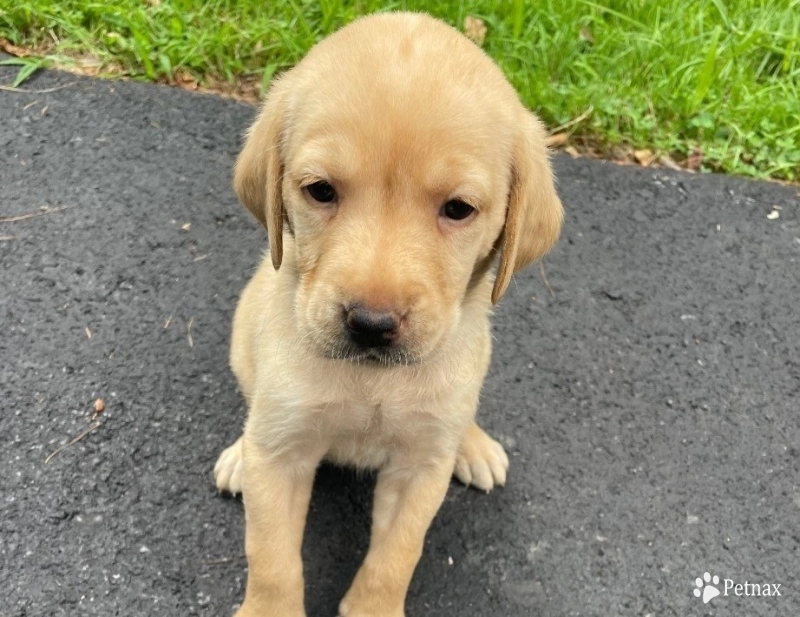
(389, 167)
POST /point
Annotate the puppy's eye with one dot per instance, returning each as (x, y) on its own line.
(456, 210)
(322, 192)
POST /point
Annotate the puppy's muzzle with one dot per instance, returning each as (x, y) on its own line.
(370, 328)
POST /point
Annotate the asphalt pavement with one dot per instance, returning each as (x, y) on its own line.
(645, 383)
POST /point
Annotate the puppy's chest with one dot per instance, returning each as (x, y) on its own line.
(364, 418)
(366, 434)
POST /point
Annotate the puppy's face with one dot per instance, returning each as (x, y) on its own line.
(396, 158)
(394, 199)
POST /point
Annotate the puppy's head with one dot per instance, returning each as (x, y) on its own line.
(402, 161)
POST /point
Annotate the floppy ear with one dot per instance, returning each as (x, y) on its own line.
(258, 173)
(534, 212)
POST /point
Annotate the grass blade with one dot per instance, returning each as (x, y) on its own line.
(27, 67)
(707, 72)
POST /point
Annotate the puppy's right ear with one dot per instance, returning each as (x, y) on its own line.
(258, 174)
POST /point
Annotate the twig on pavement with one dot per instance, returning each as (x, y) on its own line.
(73, 441)
(30, 215)
(44, 91)
(544, 278)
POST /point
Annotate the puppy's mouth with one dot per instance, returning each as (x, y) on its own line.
(365, 335)
(394, 355)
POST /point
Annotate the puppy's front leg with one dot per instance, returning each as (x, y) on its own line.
(276, 492)
(406, 499)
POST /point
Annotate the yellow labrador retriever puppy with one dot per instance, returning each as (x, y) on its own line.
(392, 168)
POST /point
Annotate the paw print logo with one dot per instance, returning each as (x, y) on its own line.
(706, 587)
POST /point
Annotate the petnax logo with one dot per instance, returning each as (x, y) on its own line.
(707, 588)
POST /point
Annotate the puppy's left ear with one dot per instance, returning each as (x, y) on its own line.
(258, 174)
(534, 213)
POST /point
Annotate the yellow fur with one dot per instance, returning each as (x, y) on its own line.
(400, 114)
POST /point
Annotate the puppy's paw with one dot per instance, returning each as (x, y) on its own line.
(481, 461)
(228, 470)
(348, 608)
(261, 609)
(349, 613)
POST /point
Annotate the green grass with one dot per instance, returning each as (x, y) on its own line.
(673, 76)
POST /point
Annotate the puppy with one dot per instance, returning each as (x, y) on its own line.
(393, 168)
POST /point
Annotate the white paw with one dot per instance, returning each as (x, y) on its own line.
(228, 470)
(481, 461)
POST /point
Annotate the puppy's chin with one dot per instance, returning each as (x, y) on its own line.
(395, 355)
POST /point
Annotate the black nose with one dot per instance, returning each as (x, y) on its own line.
(371, 328)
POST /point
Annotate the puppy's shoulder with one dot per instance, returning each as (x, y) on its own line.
(266, 297)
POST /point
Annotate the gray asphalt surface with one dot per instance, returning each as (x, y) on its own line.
(649, 404)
